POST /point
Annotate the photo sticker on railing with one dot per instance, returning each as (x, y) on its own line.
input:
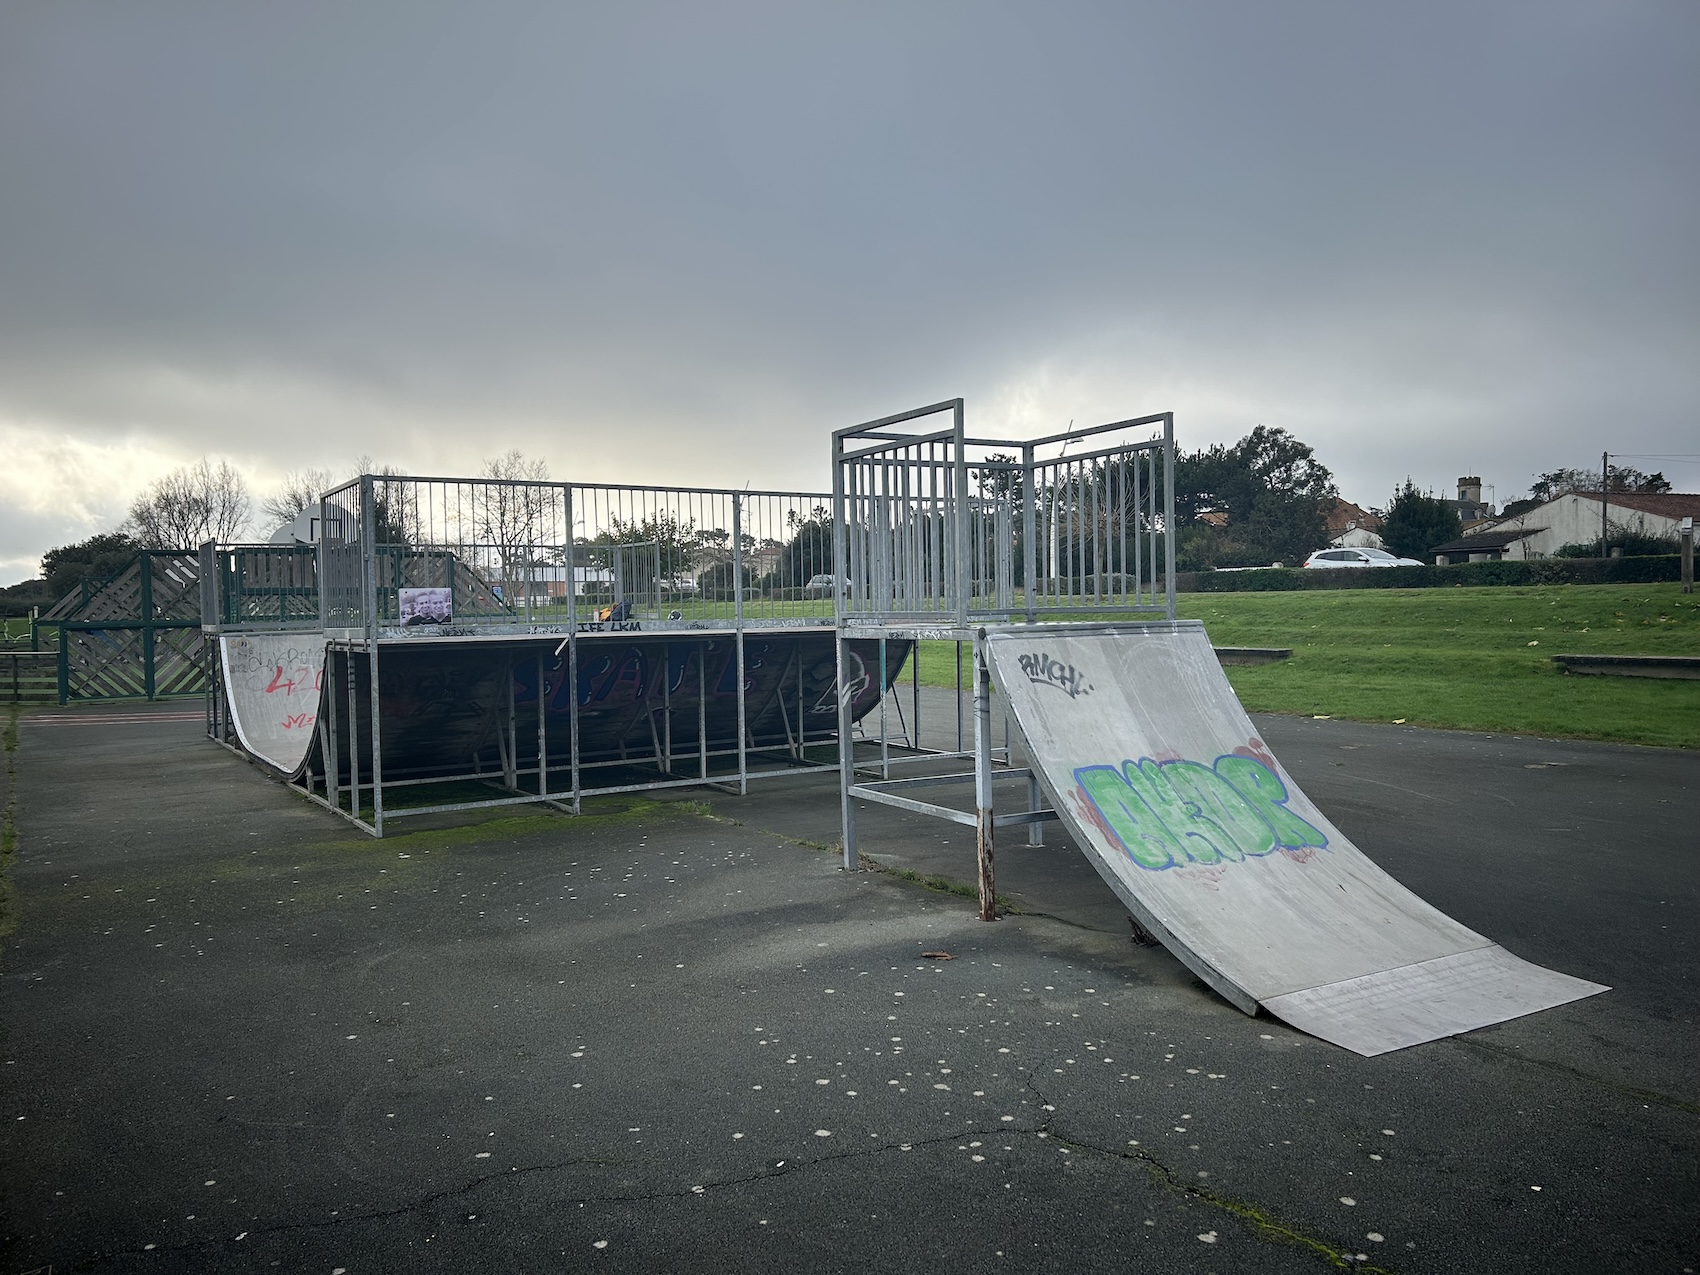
(426, 606)
(1175, 813)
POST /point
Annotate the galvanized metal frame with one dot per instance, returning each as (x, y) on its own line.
(920, 554)
(381, 533)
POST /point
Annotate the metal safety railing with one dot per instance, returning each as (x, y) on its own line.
(395, 553)
(937, 533)
(933, 525)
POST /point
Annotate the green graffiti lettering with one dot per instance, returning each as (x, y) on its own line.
(1164, 814)
(1151, 780)
(1267, 795)
(1238, 829)
(1142, 833)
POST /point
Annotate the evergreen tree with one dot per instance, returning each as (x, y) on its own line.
(809, 551)
(1269, 491)
(1416, 523)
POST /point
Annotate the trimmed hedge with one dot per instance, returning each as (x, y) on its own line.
(1644, 570)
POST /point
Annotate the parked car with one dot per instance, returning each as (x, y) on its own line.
(820, 586)
(1357, 558)
(681, 585)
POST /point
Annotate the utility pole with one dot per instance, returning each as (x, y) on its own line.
(1686, 532)
(1605, 487)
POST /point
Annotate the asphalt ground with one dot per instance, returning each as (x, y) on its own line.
(237, 1035)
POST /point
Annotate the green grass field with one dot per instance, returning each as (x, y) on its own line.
(1470, 659)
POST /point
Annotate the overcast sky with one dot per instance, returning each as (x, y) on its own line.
(681, 243)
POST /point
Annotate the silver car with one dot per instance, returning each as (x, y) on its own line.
(1357, 558)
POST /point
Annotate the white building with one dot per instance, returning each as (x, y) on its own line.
(1572, 519)
(1350, 527)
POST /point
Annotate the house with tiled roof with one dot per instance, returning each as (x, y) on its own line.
(1574, 519)
(1352, 527)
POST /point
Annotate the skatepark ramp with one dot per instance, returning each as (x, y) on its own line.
(272, 689)
(1148, 759)
(521, 718)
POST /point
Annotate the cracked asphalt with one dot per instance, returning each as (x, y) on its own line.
(238, 1036)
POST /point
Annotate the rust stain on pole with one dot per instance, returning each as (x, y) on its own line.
(983, 847)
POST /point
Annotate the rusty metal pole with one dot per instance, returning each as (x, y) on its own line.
(983, 778)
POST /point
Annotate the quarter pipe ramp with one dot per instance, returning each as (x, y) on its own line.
(1157, 772)
(272, 683)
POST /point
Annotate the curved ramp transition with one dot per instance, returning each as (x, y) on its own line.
(1157, 772)
(272, 683)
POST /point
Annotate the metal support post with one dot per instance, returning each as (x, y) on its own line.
(542, 728)
(959, 731)
(666, 707)
(738, 627)
(332, 743)
(962, 584)
(510, 761)
(353, 734)
(572, 721)
(885, 728)
(1029, 534)
(570, 669)
(702, 710)
(846, 751)
(1169, 511)
(983, 813)
(915, 694)
(369, 543)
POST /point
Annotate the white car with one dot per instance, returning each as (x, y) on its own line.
(1357, 558)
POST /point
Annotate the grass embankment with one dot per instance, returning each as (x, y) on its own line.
(1470, 659)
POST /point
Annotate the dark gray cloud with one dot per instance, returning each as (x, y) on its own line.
(682, 242)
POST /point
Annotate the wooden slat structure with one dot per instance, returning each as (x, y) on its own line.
(29, 677)
(135, 635)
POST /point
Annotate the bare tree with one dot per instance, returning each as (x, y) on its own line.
(510, 514)
(190, 505)
(299, 489)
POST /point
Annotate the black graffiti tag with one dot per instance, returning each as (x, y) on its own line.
(1043, 669)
